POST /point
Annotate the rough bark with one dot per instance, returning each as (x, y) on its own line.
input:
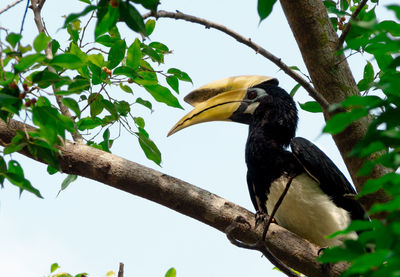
(82, 160)
(332, 78)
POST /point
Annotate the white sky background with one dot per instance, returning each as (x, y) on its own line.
(91, 227)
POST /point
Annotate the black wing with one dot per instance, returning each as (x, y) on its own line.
(325, 172)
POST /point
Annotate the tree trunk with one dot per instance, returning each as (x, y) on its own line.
(332, 78)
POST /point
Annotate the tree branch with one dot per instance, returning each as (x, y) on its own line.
(246, 41)
(37, 6)
(82, 160)
(348, 25)
(9, 6)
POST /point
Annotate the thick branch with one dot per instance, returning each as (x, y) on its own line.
(182, 197)
(332, 78)
(246, 41)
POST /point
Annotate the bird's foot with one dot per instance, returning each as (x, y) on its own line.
(260, 217)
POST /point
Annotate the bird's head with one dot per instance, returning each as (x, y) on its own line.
(253, 100)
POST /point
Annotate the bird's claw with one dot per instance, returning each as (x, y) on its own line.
(260, 217)
(321, 250)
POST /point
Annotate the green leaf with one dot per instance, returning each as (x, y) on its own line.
(73, 105)
(183, 76)
(123, 108)
(69, 61)
(390, 206)
(149, 148)
(173, 83)
(336, 254)
(106, 21)
(51, 170)
(13, 39)
(132, 17)
(55, 45)
(394, 8)
(106, 40)
(139, 122)
(161, 47)
(87, 123)
(340, 121)
(150, 25)
(45, 78)
(111, 108)
(164, 95)
(145, 103)
(134, 55)
(27, 61)
(67, 181)
(15, 175)
(368, 261)
(311, 106)
(116, 54)
(369, 101)
(369, 72)
(294, 90)
(125, 70)
(264, 8)
(96, 104)
(54, 267)
(126, 88)
(74, 49)
(41, 42)
(75, 16)
(148, 4)
(171, 272)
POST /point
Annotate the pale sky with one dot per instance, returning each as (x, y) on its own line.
(92, 227)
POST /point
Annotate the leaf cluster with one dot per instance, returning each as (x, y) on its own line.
(68, 88)
(376, 252)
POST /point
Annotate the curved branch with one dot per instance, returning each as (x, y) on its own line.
(246, 41)
(89, 162)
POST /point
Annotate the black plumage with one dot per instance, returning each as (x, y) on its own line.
(272, 128)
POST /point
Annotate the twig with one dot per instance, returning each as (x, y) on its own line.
(84, 29)
(121, 270)
(277, 204)
(9, 6)
(260, 246)
(348, 25)
(246, 41)
(37, 6)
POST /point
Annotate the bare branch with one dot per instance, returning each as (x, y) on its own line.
(246, 41)
(37, 6)
(9, 6)
(348, 25)
(219, 213)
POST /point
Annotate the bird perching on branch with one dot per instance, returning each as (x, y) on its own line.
(320, 200)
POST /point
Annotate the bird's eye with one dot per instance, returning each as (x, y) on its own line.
(252, 94)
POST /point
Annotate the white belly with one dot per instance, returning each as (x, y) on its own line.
(307, 211)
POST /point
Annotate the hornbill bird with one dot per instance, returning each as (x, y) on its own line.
(320, 200)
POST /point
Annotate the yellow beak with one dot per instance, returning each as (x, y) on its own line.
(218, 100)
(217, 108)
